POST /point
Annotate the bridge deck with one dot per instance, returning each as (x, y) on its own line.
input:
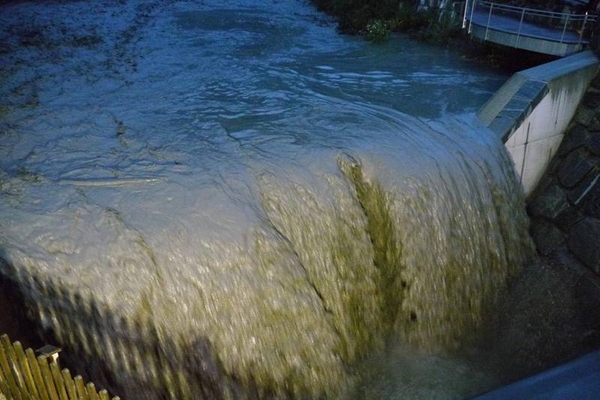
(509, 26)
(514, 26)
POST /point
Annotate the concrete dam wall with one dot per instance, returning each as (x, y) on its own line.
(532, 111)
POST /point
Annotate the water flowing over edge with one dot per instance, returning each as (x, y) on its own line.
(329, 254)
(230, 263)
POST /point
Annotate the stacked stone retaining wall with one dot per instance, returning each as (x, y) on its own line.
(565, 208)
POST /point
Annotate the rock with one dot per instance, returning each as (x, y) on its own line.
(586, 196)
(593, 144)
(574, 167)
(567, 218)
(550, 203)
(584, 115)
(595, 84)
(576, 136)
(584, 242)
(547, 237)
(591, 99)
(594, 124)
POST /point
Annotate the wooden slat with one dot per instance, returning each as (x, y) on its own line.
(14, 364)
(26, 370)
(3, 385)
(6, 369)
(58, 381)
(81, 392)
(47, 374)
(91, 391)
(37, 375)
(71, 390)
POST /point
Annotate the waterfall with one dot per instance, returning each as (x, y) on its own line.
(209, 202)
(280, 275)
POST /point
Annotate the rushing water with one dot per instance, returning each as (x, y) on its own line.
(260, 201)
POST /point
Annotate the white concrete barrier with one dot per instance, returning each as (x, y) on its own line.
(533, 109)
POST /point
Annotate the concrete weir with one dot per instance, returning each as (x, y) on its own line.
(532, 110)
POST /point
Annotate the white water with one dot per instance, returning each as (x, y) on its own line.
(213, 172)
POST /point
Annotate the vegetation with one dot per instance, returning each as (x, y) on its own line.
(376, 19)
(548, 5)
(377, 31)
(354, 15)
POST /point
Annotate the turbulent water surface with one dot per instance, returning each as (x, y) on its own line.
(244, 202)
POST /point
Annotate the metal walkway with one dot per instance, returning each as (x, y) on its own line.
(547, 32)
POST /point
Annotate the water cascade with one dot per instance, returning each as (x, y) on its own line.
(284, 280)
(199, 239)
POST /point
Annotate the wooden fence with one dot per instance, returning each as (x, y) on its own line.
(23, 376)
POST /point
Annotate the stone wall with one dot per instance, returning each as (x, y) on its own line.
(565, 207)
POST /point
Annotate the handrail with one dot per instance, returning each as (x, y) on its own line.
(563, 21)
(533, 11)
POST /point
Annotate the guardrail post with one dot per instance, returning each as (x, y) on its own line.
(582, 29)
(520, 26)
(562, 36)
(473, 5)
(487, 28)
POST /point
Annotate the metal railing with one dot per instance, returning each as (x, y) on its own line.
(565, 22)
